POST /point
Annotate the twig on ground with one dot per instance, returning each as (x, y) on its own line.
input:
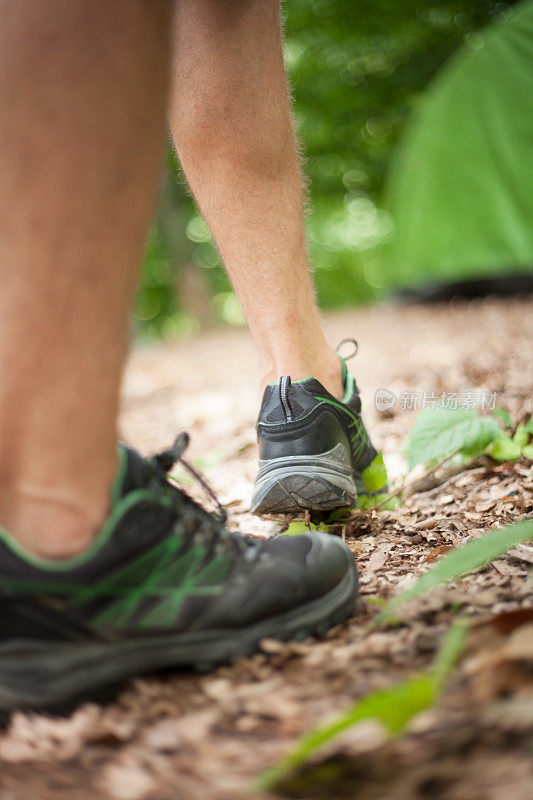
(408, 485)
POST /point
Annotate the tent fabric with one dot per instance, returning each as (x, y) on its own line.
(461, 188)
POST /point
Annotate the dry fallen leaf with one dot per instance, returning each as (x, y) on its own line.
(190, 737)
(436, 552)
(127, 781)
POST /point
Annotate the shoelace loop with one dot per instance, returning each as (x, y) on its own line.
(348, 341)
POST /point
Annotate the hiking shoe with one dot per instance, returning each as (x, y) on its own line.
(313, 448)
(164, 585)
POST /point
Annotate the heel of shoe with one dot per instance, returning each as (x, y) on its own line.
(293, 484)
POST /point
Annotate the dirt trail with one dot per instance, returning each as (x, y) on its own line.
(185, 736)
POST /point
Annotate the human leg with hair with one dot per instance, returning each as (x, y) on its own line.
(232, 124)
(107, 570)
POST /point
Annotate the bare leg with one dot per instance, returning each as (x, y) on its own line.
(235, 139)
(83, 94)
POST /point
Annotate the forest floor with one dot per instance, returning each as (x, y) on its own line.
(192, 737)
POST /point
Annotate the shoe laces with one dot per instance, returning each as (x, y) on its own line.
(172, 455)
(197, 521)
(354, 352)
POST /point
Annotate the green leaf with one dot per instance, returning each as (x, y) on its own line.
(468, 452)
(521, 436)
(529, 426)
(391, 504)
(474, 554)
(366, 501)
(503, 448)
(438, 432)
(301, 526)
(338, 514)
(449, 652)
(393, 707)
(376, 601)
(527, 451)
(375, 475)
(504, 415)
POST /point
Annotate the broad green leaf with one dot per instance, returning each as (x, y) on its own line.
(474, 554)
(375, 475)
(503, 448)
(393, 707)
(468, 452)
(504, 415)
(521, 436)
(527, 451)
(301, 526)
(438, 432)
(529, 426)
(470, 94)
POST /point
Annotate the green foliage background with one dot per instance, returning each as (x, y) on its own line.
(357, 70)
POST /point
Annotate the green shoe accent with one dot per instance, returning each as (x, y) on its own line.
(358, 435)
(349, 386)
(120, 477)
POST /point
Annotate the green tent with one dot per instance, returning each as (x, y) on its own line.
(461, 187)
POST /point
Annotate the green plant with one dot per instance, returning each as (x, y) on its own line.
(508, 448)
(396, 706)
(393, 708)
(375, 479)
(302, 526)
(440, 432)
(471, 556)
(375, 475)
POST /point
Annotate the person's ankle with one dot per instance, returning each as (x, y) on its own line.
(54, 506)
(53, 523)
(325, 367)
(49, 531)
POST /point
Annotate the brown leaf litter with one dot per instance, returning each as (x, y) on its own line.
(190, 737)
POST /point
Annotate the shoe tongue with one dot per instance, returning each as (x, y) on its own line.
(133, 472)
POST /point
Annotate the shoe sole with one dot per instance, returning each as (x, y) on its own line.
(293, 484)
(53, 677)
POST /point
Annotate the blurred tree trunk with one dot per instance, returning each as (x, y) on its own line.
(189, 281)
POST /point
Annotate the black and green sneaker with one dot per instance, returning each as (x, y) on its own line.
(164, 585)
(313, 448)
